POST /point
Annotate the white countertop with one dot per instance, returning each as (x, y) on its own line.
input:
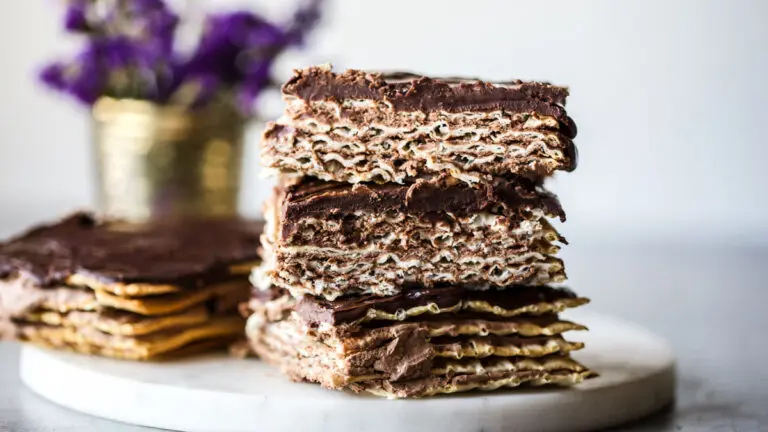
(708, 300)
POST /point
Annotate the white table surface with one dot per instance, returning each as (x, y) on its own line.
(709, 301)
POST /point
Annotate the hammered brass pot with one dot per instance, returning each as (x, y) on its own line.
(167, 161)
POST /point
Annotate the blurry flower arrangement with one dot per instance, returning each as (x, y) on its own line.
(130, 52)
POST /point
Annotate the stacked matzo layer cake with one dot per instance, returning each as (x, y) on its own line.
(132, 291)
(407, 248)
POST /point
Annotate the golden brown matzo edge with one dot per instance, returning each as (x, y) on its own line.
(286, 302)
(139, 348)
(141, 289)
(539, 372)
(139, 326)
(474, 332)
(457, 328)
(162, 305)
(444, 385)
(66, 299)
(327, 364)
(201, 346)
(478, 348)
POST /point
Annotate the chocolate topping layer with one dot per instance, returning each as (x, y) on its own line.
(315, 311)
(409, 92)
(492, 339)
(442, 194)
(186, 253)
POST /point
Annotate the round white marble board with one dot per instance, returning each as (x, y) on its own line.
(217, 393)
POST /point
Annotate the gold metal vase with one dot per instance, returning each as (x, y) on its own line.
(167, 161)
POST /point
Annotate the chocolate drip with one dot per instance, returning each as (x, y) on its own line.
(443, 194)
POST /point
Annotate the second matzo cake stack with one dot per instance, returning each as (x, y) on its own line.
(134, 291)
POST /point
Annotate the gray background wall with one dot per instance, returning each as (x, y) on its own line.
(669, 97)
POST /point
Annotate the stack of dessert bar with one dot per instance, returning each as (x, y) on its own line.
(407, 251)
(132, 291)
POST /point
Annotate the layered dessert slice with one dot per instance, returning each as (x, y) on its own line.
(133, 291)
(373, 127)
(424, 342)
(330, 239)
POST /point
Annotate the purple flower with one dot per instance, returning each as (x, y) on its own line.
(108, 66)
(241, 49)
(144, 6)
(76, 17)
(226, 40)
(154, 24)
(88, 86)
(53, 76)
(88, 81)
(130, 53)
(304, 20)
(147, 69)
(81, 78)
(118, 52)
(94, 66)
